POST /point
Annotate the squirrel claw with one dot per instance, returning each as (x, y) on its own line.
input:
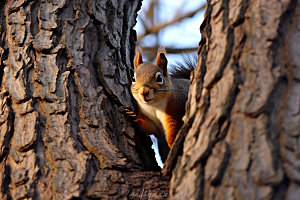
(130, 115)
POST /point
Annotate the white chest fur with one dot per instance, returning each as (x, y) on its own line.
(156, 112)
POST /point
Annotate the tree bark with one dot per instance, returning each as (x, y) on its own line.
(243, 112)
(65, 68)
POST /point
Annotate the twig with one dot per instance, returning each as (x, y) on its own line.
(157, 28)
(170, 49)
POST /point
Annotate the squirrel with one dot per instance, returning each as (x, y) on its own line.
(161, 99)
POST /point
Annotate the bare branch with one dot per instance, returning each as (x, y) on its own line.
(157, 28)
(144, 22)
(170, 49)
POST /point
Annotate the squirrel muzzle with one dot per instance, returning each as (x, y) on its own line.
(146, 94)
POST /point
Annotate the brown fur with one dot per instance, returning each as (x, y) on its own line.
(161, 105)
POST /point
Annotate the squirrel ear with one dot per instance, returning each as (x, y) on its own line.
(137, 59)
(162, 62)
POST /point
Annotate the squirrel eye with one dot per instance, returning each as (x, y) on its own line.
(159, 79)
(133, 79)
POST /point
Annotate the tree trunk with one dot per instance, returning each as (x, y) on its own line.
(243, 112)
(65, 68)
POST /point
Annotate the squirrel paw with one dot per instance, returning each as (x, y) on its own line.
(130, 115)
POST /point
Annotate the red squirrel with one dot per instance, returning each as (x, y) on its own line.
(161, 100)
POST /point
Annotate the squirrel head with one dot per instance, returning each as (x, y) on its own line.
(151, 83)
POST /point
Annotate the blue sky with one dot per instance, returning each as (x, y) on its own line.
(185, 34)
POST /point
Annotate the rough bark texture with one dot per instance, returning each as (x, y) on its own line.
(64, 79)
(243, 112)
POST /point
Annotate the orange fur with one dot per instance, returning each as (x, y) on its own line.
(172, 122)
(146, 125)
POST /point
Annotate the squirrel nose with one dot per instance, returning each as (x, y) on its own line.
(144, 91)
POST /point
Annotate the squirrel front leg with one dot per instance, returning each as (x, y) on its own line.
(144, 124)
